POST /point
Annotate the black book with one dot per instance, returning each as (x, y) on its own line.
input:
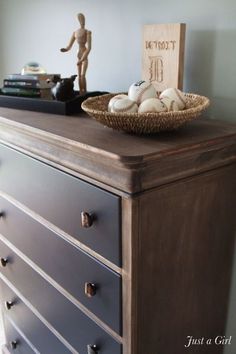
(16, 91)
(22, 83)
(33, 77)
(41, 81)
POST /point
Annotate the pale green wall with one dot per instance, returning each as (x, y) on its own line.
(36, 29)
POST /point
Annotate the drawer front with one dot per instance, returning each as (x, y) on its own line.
(78, 329)
(61, 198)
(66, 264)
(33, 329)
(15, 343)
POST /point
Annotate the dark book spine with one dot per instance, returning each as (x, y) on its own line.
(15, 91)
(21, 84)
(19, 77)
(35, 77)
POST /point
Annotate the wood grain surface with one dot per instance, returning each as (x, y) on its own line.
(177, 218)
(184, 263)
(126, 162)
(163, 55)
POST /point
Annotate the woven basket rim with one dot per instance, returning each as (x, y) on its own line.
(144, 122)
(87, 103)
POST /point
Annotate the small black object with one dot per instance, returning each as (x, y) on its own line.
(90, 289)
(14, 344)
(4, 262)
(64, 88)
(86, 219)
(9, 304)
(92, 349)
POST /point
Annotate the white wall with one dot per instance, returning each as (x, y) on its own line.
(36, 29)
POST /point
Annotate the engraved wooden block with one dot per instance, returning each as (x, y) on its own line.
(163, 55)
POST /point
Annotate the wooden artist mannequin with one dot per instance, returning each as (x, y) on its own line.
(83, 37)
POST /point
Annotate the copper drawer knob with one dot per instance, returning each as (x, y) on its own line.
(90, 289)
(4, 262)
(14, 344)
(9, 304)
(92, 349)
(86, 219)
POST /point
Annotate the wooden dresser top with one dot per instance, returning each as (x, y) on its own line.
(126, 162)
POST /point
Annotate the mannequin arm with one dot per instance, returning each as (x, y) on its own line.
(69, 45)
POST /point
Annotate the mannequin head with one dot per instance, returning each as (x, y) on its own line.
(81, 19)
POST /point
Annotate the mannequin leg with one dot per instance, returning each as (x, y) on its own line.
(83, 84)
(82, 77)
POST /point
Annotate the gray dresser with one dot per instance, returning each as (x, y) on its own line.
(112, 243)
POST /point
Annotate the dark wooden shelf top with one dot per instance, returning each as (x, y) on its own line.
(127, 162)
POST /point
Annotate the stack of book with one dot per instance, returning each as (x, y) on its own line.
(30, 85)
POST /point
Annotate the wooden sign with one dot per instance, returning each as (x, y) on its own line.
(163, 55)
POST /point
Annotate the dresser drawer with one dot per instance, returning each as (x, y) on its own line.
(39, 336)
(61, 198)
(66, 264)
(76, 327)
(15, 343)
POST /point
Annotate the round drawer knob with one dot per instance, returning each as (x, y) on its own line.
(2, 214)
(86, 219)
(4, 262)
(9, 304)
(92, 349)
(90, 289)
(14, 344)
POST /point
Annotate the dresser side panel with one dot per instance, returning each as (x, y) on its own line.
(186, 242)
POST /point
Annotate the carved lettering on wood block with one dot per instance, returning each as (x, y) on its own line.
(163, 55)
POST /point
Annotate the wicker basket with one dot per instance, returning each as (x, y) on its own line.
(144, 123)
